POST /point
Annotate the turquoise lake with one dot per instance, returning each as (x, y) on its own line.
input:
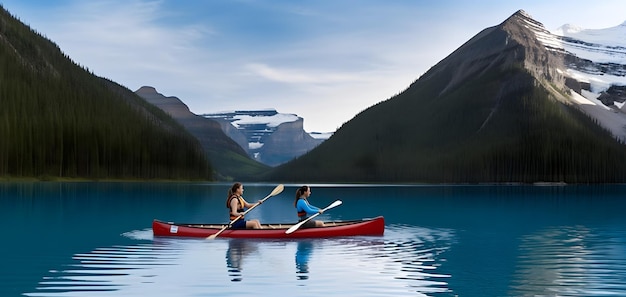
(95, 239)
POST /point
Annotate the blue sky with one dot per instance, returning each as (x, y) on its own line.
(324, 60)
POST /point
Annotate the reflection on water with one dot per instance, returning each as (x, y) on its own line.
(572, 261)
(415, 255)
(303, 253)
(406, 261)
(238, 249)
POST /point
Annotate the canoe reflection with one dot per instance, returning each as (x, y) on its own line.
(303, 253)
(237, 250)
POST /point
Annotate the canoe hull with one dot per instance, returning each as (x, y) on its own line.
(364, 227)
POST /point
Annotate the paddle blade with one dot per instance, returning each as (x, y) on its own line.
(212, 236)
(277, 190)
(293, 228)
(334, 204)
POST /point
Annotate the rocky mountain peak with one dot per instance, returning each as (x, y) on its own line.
(172, 105)
(522, 14)
(516, 41)
(147, 90)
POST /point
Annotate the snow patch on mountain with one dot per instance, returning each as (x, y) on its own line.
(598, 82)
(256, 125)
(603, 65)
(269, 118)
(598, 45)
(601, 46)
(273, 120)
(320, 135)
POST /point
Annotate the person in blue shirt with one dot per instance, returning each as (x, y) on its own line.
(305, 209)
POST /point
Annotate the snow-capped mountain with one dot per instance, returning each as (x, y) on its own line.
(595, 59)
(605, 49)
(598, 45)
(254, 124)
(508, 105)
(268, 136)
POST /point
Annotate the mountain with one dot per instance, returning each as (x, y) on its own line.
(595, 69)
(501, 108)
(58, 120)
(269, 137)
(229, 159)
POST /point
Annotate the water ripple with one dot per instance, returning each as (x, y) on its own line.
(571, 261)
(405, 262)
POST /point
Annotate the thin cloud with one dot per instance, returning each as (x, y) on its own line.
(301, 76)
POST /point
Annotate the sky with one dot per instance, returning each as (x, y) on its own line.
(323, 60)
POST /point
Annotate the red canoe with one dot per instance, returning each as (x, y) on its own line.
(366, 227)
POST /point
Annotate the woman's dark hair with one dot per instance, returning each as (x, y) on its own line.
(231, 192)
(299, 192)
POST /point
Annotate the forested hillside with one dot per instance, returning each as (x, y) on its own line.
(59, 120)
(495, 110)
(532, 138)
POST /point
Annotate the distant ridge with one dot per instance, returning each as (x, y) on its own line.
(229, 159)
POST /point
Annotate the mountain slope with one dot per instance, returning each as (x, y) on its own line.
(58, 120)
(228, 158)
(495, 110)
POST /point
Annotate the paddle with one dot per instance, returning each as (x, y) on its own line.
(274, 192)
(296, 226)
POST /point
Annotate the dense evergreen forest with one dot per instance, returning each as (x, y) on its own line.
(57, 120)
